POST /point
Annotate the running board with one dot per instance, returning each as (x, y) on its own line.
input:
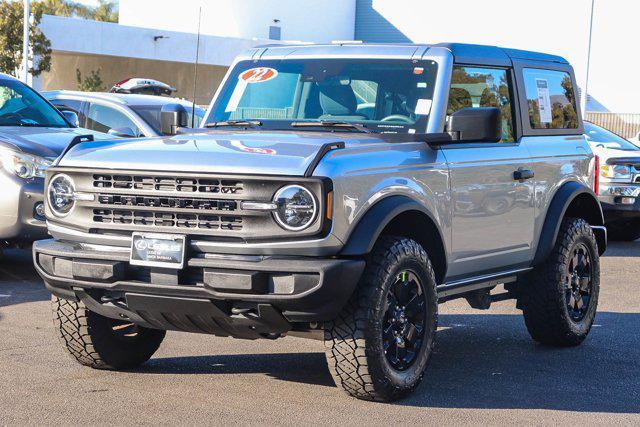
(458, 287)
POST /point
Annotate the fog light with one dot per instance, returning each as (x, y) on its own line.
(39, 210)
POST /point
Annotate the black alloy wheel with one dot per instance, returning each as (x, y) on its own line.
(578, 282)
(404, 320)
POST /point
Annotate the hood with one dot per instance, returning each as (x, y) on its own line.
(262, 153)
(606, 153)
(43, 142)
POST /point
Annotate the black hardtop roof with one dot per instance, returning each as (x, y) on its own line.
(481, 54)
(463, 53)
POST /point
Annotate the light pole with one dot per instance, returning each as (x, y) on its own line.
(583, 100)
(25, 42)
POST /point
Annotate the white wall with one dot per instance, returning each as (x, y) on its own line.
(552, 26)
(302, 20)
(102, 38)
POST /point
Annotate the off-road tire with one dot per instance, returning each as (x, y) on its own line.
(91, 340)
(544, 291)
(624, 232)
(353, 341)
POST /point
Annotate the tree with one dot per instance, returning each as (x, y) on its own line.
(91, 83)
(106, 11)
(11, 19)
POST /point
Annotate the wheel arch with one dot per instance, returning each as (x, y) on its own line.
(400, 216)
(572, 199)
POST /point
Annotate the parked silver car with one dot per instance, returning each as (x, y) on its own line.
(124, 115)
(339, 192)
(32, 135)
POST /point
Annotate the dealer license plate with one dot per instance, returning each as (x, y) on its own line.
(158, 250)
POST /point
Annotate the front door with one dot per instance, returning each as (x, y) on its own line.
(492, 212)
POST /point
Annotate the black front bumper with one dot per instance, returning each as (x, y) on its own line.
(615, 211)
(240, 296)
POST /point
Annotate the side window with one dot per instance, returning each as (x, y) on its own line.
(473, 87)
(103, 119)
(67, 104)
(551, 99)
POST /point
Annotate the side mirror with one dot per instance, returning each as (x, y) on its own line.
(172, 117)
(483, 124)
(122, 132)
(71, 117)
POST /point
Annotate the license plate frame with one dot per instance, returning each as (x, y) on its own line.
(158, 250)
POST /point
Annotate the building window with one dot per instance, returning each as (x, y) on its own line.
(550, 99)
(275, 33)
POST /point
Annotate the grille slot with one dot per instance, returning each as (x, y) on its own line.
(168, 202)
(168, 184)
(167, 219)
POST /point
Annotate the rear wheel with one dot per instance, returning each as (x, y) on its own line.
(100, 342)
(561, 295)
(379, 346)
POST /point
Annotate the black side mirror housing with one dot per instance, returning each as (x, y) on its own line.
(172, 117)
(482, 124)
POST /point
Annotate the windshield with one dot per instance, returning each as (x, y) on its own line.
(22, 106)
(601, 137)
(151, 115)
(383, 95)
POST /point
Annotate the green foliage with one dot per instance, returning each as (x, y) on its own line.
(105, 11)
(11, 19)
(91, 83)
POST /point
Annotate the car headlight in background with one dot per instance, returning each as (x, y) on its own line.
(23, 165)
(615, 171)
(61, 194)
(296, 207)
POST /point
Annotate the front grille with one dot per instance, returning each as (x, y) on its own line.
(168, 202)
(168, 184)
(167, 219)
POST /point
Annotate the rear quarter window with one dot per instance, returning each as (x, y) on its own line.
(551, 99)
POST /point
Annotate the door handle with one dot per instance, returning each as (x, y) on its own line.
(523, 174)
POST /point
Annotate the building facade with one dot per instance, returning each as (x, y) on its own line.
(157, 38)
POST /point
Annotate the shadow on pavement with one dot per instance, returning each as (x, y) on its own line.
(308, 368)
(19, 282)
(489, 361)
(482, 361)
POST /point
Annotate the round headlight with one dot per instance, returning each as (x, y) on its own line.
(60, 194)
(297, 208)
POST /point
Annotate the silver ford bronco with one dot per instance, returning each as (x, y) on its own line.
(340, 191)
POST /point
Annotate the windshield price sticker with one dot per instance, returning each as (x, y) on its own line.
(259, 75)
(544, 101)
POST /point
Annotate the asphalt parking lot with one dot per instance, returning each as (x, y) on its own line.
(486, 370)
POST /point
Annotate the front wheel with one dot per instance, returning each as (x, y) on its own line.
(561, 294)
(379, 346)
(100, 342)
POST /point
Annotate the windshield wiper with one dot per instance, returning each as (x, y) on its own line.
(332, 124)
(236, 123)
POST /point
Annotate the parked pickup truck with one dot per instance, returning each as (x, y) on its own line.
(619, 187)
(340, 191)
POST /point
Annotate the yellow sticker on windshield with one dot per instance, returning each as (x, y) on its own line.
(258, 75)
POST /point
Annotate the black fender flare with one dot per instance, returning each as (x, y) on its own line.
(373, 222)
(560, 202)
